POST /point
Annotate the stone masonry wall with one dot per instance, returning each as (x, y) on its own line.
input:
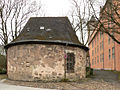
(30, 62)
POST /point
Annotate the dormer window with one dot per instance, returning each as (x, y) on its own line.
(28, 29)
(48, 29)
(42, 27)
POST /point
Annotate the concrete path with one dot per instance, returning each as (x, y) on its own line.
(108, 76)
(4, 86)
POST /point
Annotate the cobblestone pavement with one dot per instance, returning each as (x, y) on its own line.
(102, 80)
(87, 84)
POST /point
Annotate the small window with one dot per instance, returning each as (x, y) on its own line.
(100, 57)
(102, 45)
(70, 62)
(103, 57)
(48, 29)
(42, 27)
(95, 50)
(92, 61)
(92, 43)
(28, 29)
(109, 54)
(97, 59)
(113, 53)
(92, 52)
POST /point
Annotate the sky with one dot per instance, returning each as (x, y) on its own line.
(60, 7)
(56, 7)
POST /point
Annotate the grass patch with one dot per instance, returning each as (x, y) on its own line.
(3, 76)
(89, 72)
(3, 71)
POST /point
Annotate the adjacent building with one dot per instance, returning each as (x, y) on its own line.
(104, 51)
(91, 25)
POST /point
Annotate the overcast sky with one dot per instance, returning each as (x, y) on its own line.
(59, 7)
(56, 7)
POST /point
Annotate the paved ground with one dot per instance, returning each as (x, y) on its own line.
(102, 80)
(4, 86)
(108, 76)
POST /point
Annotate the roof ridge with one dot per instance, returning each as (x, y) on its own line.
(50, 17)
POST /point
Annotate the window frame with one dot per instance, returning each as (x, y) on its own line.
(113, 53)
(70, 62)
(109, 54)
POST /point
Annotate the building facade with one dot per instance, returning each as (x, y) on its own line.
(104, 51)
(47, 49)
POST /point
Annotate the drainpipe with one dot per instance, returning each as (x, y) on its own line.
(114, 57)
(103, 51)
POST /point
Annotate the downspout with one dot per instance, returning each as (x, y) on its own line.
(114, 57)
(114, 43)
(103, 50)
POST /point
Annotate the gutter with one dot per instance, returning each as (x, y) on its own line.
(57, 42)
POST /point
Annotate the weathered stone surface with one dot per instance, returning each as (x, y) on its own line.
(31, 62)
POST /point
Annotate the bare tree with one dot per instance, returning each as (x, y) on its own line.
(80, 15)
(109, 19)
(13, 16)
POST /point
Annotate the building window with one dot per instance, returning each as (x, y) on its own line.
(92, 52)
(92, 61)
(70, 62)
(109, 54)
(100, 58)
(102, 45)
(113, 52)
(97, 59)
(95, 50)
(92, 43)
(101, 34)
(103, 57)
